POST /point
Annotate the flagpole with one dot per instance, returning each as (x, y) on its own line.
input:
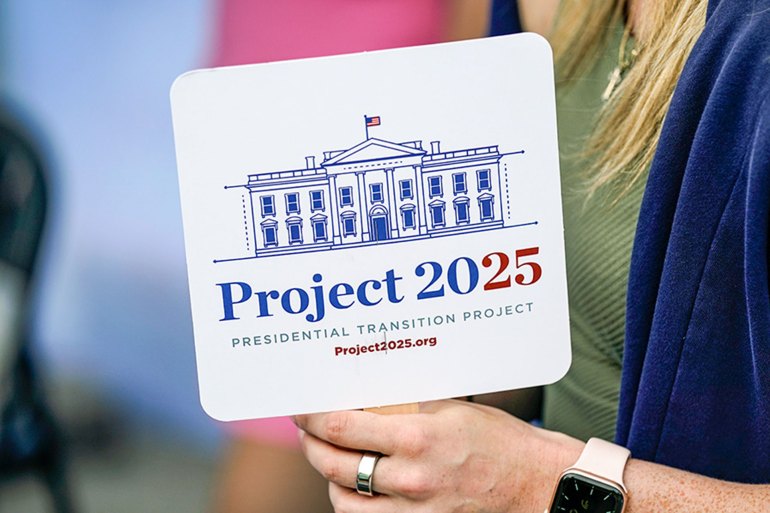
(366, 127)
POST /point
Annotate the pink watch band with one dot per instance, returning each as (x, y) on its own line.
(603, 459)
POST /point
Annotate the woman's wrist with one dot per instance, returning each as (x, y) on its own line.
(553, 452)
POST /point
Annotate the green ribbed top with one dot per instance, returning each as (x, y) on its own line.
(598, 240)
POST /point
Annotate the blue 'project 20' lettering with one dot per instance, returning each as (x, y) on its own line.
(462, 277)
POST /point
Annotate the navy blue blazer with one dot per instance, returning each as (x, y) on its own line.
(695, 389)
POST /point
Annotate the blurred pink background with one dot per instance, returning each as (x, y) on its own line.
(112, 329)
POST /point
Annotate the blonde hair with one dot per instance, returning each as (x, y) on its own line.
(626, 133)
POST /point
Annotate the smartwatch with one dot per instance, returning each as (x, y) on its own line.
(594, 484)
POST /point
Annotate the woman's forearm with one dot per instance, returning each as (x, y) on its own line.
(654, 488)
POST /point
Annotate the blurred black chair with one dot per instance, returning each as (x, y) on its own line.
(30, 440)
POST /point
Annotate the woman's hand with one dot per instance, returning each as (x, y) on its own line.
(453, 456)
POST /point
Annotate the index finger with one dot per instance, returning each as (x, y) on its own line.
(365, 431)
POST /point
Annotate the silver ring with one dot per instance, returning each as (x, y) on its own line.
(366, 473)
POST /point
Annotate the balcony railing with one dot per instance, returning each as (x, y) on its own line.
(472, 152)
(299, 173)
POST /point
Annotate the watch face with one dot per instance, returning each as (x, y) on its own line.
(580, 494)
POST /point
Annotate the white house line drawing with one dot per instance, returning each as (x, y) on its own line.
(376, 192)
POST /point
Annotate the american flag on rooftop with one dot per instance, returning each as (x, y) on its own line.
(372, 120)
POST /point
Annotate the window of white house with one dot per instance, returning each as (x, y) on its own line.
(435, 187)
(375, 191)
(270, 234)
(406, 189)
(292, 203)
(294, 227)
(316, 200)
(459, 184)
(486, 204)
(408, 217)
(346, 196)
(437, 214)
(348, 224)
(485, 183)
(268, 205)
(319, 229)
(462, 210)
